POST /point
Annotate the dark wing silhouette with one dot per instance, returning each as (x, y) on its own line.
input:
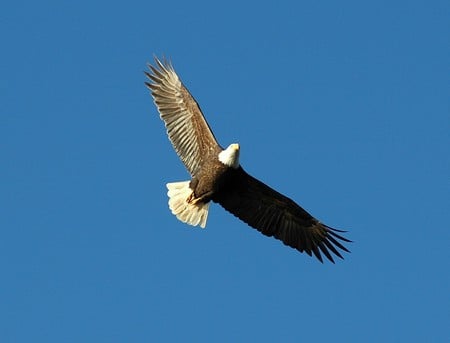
(186, 127)
(274, 214)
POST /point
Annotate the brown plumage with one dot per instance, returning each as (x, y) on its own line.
(217, 176)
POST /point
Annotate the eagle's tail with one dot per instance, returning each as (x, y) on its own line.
(192, 213)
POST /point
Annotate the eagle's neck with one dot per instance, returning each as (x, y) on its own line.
(230, 156)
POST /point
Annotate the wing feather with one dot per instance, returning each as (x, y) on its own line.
(186, 126)
(274, 214)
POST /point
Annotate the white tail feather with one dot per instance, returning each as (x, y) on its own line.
(192, 214)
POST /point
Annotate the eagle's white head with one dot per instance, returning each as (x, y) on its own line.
(230, 156)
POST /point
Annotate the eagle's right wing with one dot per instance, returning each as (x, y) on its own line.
(274, 214)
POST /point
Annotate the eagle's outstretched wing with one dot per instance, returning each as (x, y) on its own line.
(186, 126)
(274, 214)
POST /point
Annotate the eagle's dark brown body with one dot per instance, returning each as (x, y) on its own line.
(210, 179)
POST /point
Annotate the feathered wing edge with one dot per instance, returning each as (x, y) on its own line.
(274, 214)
(186, 126)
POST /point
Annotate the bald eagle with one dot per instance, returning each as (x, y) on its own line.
(218, 176)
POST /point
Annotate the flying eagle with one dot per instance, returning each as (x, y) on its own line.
(218, 176)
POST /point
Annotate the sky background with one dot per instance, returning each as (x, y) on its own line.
(342, 106)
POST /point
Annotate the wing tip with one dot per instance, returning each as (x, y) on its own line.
(331, 241)
(327, 243)
(164, 64)
(161, 69)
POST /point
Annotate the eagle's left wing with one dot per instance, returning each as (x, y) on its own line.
(186, 126)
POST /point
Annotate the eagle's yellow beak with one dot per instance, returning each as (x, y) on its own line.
(234, 146)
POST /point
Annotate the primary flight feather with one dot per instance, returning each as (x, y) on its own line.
(218, 176)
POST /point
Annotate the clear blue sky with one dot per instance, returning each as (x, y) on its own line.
(342, 106)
